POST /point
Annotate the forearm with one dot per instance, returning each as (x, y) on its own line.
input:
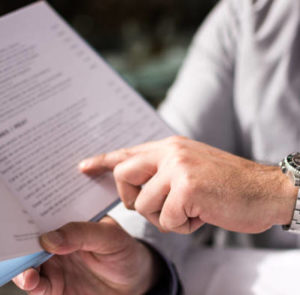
(191, 183)
(275, 188)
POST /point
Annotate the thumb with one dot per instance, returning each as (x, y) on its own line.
(105, 237)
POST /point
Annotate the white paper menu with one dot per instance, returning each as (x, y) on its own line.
(59, 103)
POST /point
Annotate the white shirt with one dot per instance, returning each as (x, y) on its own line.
(239, 90)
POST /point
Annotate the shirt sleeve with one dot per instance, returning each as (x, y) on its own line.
(199, 104)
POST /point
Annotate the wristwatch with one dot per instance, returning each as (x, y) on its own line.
(291, 167)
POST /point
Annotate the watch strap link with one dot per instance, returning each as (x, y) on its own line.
(294, 226)
(297, 180)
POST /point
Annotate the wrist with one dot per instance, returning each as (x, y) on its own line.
(286, 196)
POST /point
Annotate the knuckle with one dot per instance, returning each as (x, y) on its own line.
(184, 199)
(193, 210)
(118, 172)
(78, 228)
(167, 220)
(177, 153)
(101, 158)
(179, 159)
(176, 139)
(164, 224)
(139, 207)
(187, 185)
(71, 227)
(176, 145)
(125, 152)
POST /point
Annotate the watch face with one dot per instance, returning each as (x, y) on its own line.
(294, 160)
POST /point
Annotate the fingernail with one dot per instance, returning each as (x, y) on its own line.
(53, 239)
(85, 164)
(21, 280)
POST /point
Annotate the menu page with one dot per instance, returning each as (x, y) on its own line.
(18, 234)
(61, 103)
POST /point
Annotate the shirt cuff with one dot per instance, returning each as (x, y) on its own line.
(168, 283)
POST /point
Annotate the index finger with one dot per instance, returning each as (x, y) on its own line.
(108, 161)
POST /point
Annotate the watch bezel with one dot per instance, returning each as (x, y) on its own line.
(291, 164)
(292, 170)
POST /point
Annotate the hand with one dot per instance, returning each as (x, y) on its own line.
(92, 258)
(178, 184)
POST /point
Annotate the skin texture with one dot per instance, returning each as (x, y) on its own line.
(179, 184)
(92, 259)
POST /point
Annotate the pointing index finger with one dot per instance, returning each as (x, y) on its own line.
(104, 162)
(107, 162)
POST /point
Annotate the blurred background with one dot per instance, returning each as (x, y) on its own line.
(145, 41)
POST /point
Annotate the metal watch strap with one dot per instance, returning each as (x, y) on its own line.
(294, 226)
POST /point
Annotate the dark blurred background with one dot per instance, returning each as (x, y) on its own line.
(145, 41)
